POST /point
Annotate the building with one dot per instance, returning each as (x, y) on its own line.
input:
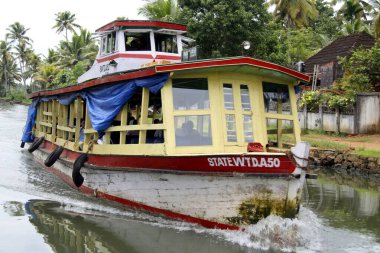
(327, 58)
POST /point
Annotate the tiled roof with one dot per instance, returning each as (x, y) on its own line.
(342, 46)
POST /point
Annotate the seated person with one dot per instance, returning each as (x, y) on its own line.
(133, 135)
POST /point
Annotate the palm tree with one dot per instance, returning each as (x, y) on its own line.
(65, 21)
(375, 4)
(45, 75)
(16, 33)
(295, 13)
(22, 52)
(8, 68)
(352, 10)
(81, 48)
(165, 10)
(354, 26)
(52, 56)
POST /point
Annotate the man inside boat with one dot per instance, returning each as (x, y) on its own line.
(188, 136)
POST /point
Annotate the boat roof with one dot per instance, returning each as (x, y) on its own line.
(245, 65)
(141, 24)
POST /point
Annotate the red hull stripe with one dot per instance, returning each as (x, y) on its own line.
(157, 24)
(136, 205)
(231, 62)
(218, 164)
(140, 56)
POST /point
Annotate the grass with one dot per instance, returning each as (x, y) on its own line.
(325, 144)
(367, 152)
(313, 140)
(317, 132)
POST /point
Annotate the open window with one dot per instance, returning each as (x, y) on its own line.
(166, 43)
(137, 41)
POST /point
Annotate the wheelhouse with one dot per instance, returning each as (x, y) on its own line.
(129, 44)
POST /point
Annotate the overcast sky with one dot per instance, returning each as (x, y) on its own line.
(39, 16)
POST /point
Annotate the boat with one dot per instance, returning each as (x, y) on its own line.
(150, 125)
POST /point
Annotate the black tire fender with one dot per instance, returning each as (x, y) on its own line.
(53, 156)
(79, 162)
(36, 143)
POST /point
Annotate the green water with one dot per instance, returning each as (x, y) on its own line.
(40, 213)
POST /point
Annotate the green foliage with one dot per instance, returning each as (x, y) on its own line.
(367, 152)
(220, 27)
(327, 23)
(46, 74)
(312, 99)
(67, 77)
(18, 95)
(361, 71)
(165, 10)
(339, 101)
(302, 44)
(295, 13)
(65, 21)
(325, 144)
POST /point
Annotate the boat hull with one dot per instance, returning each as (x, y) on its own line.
(212, 199)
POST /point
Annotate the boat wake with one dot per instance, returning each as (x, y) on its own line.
(280, 234)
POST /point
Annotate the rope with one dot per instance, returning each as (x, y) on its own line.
(90, 146)
(292, 157)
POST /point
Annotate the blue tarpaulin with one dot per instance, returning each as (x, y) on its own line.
(103, 102)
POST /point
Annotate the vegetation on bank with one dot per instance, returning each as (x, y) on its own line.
(292, 32)
(367, 152)
(361, 72)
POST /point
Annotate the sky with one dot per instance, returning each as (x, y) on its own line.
(39, 16)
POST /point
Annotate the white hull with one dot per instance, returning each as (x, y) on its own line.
(216, 198)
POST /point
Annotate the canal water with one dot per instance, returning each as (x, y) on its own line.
(40, 213)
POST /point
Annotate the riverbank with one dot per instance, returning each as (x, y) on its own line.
(354, 158)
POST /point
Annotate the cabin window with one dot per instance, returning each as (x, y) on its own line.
(276, 98)
(190, 94)
(228, 97)
(137, 41)
(238, 113)
(244, 95)
(108, 43)
(280, 132)
(192, 120)
(166, 43)
(231, 128)
(193, 130)
(277, 104)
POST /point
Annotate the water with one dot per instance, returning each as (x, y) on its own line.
(40, 213)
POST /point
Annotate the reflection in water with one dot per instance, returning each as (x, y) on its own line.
(13, 208)
(344, 206)
(66, 231)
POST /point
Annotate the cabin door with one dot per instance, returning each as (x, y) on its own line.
(237, 102)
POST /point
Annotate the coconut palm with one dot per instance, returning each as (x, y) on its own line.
(45, 75)
(295, 13)
(52, 56)
(352, 10)
(64, 22)
(81, 48)
(354, 26)
(22, 52)
(165, 10)
(8, 68)
(16, 33)
(375, 4)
